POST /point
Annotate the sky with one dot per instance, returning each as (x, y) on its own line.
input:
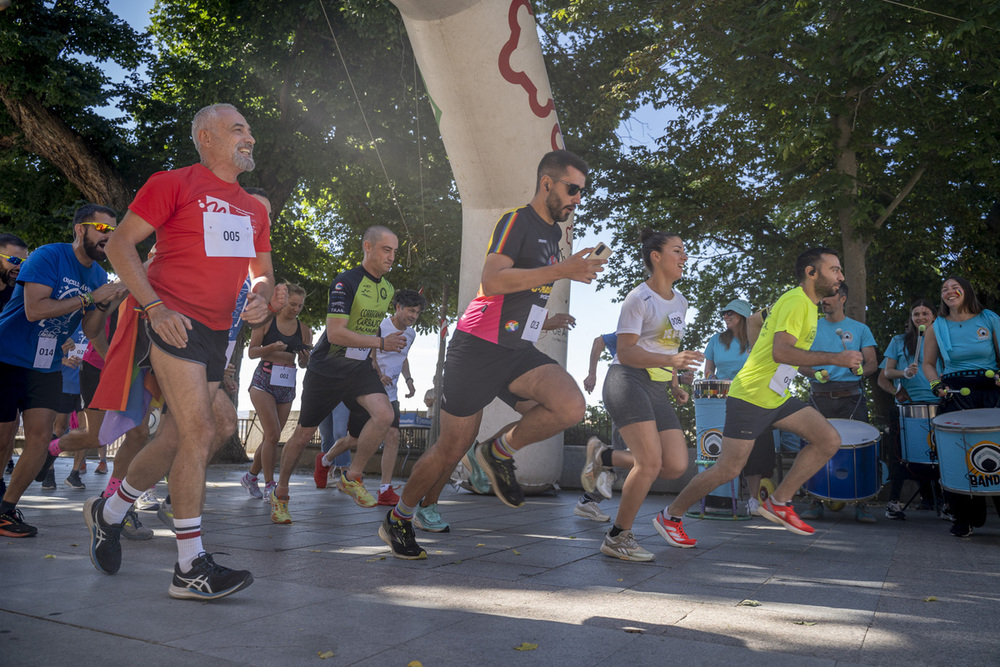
(593, 308)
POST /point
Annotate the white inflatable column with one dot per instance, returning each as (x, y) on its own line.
(483, 68)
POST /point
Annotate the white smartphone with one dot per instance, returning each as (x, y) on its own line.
(600, 252)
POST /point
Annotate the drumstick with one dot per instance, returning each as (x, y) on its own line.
(840, 334)
(964, 391)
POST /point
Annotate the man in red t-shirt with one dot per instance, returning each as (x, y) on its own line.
(209, 234)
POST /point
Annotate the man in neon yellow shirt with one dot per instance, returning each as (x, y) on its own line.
(759, 398)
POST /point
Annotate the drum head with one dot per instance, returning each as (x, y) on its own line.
(980, 419)
(854, 433)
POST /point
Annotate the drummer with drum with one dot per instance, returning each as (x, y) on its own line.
(965, 338)
(838, 392)
(725, 355)
(902, 375)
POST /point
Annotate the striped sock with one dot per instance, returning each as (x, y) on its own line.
(188, 541)
(121, 502)
(403, 512)
(502, 449)
(113, 485)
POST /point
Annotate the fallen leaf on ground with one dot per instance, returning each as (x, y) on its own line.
(633, 630)
(805, 622)
(325, 654)
(480, 545)
(414, 663)
(930, 599)
(49, 556)
(516, 552)
(748, 603)
(372, 560)
(525, 646)
(314, 551)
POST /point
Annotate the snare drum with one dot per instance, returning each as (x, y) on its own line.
(916, 434)
(968, 446)
(710, 388)
(854, 472)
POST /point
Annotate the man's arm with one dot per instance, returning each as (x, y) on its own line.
(784, 352)
(500, 277)
(596, 349)
(338, 334)
(256, 310)
(410, 390)
(871, 360)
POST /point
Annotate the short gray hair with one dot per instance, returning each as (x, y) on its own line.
(204, 118)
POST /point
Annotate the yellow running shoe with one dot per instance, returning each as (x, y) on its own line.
(279, 509)
(356, 490)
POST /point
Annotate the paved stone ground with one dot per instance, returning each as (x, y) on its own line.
(885, 594)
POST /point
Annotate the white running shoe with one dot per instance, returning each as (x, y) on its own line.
(625, 547)
(592, 464)
(148, 502)
(588, 509)
(753, 507)
(605, 483)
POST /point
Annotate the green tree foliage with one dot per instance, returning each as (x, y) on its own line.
(280, 64)
(867, 126)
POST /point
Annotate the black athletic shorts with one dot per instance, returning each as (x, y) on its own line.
(477, 371)
(25, 388)
(69, 403)
(746, 421)
(357, 420)
(322, 393)
(205, 346)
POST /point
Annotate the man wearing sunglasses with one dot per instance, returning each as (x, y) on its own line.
(13, 252)
(61, 285)
(210, 233)
(493, 350)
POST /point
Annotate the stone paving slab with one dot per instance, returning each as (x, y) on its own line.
(851, 594)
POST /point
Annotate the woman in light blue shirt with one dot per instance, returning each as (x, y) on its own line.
(728, 350)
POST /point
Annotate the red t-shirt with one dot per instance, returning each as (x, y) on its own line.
(203, 245)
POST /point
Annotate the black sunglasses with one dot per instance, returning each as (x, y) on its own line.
(571, 188)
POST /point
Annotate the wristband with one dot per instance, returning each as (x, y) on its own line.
(408, 379)
(272, 309)
(103, 307)
(88, 298)
(381, 344)
(83, 302)
(152, 304)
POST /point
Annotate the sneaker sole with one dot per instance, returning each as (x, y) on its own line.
(607, 551)
(88, 518)
(480, 459)
(671, 541)
(179, 593)
(82, 487)
(590, 483)
(422, 526)
(592, 517)
(773, 518)
(385, 538)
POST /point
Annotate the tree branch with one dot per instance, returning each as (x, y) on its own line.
(901, 196)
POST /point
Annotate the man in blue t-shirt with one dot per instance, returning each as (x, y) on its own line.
(58, 287)
(837, 392)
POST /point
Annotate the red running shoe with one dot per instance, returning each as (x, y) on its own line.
(320, 472)
(388, 497)
(673, 532)
(784, 515)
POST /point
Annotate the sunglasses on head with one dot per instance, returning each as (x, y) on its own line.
(571, 188)
(13, 260)
(102, 227)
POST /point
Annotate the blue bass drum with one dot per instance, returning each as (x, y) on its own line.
(854, 472)
(968, 446)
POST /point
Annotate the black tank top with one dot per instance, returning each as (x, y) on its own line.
(273, 335)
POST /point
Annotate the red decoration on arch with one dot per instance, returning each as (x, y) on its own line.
(520, 78)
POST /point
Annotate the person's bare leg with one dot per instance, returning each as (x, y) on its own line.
(269, 456)
(729, 464)
(656, 454)
(442, 457)
(380, 419)
(37, 423)
(135, 440)
(560, 404)
(267, 415)
(87, 435)
(390, 450)
(824, 441)
(290, 455)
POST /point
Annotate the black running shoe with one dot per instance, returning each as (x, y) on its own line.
(10, 466)
(399, 536)
(105, 538)
(46, 467)
(501, 474)
(49, 483)
(12, 525)
(207, 580)
(959, 529)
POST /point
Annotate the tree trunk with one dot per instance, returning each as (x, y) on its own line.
(855, 248)
(51, 139)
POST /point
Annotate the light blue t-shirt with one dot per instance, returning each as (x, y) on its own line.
(916, 387)
(728, 360)
(38, 345)
(971, 345)
(855, 336)
(71, 376)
